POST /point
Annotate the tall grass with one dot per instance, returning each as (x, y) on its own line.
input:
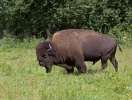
(21, 78)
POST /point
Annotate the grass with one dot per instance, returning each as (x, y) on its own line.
(21, 78)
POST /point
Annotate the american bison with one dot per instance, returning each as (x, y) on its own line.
(70, 48)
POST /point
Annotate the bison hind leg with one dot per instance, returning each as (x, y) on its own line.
(103, 66)
(114, 62)
(104, 62)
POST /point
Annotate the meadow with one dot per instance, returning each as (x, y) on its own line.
(21, 78)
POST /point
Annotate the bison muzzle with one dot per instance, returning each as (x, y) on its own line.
(70, 48)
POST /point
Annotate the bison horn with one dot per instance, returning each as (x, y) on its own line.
(50, 48)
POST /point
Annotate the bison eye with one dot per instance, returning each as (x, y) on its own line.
(44, 56)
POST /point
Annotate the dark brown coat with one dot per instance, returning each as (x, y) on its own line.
(69, 48)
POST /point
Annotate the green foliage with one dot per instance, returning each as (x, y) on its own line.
(43, 17)
(11, 42)
(122, 33)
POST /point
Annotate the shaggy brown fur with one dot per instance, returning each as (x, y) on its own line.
(74, 46)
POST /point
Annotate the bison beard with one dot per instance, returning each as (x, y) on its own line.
(70, 48)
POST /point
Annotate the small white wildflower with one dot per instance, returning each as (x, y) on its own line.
(124, 37)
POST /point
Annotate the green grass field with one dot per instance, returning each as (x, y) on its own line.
(21, 78)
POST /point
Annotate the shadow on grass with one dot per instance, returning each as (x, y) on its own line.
(89, 72)
(93, 71)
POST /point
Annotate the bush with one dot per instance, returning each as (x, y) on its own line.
(122, 33)
(42, 18)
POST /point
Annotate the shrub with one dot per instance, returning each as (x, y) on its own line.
(42, 18)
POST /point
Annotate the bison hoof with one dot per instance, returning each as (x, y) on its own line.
(83, 71)
(70, 71)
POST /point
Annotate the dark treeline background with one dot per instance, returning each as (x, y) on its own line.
(41, 18)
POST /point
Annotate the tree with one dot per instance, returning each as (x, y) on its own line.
(43, 17)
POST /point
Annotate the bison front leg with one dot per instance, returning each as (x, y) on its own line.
(69, 69)
(81, 67)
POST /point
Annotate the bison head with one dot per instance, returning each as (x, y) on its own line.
(45, 53)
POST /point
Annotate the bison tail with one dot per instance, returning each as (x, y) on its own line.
(119, 47)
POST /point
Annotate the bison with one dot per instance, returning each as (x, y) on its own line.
(70, 48)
